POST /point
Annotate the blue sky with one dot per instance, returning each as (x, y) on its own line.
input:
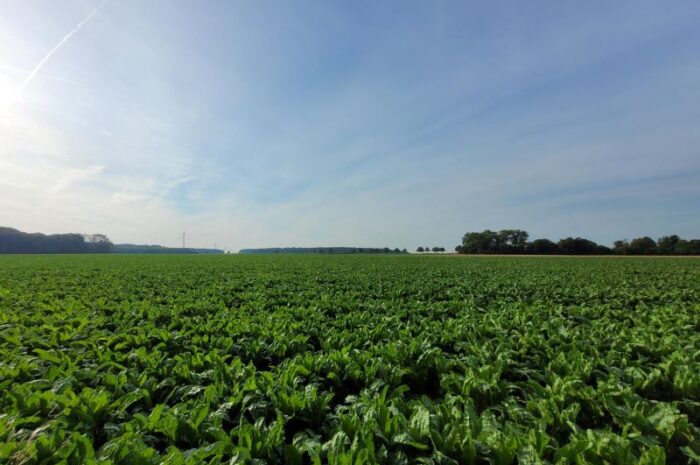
(363, 123)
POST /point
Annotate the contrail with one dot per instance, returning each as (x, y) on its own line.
(38, 67)
(41, 75)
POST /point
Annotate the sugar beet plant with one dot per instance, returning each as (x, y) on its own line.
(349, 360)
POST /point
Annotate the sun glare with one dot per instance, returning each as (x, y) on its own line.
(9, 94)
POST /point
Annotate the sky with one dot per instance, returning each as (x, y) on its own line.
(364, 123)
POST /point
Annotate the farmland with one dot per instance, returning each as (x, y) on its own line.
(349, 360)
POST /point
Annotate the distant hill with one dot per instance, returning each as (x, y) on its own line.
(159, 249)
(339, 250)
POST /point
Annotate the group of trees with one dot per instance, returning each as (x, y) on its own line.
(666, 245)
(428, 249)
(515, 241)
(15, 241)
(492, 242)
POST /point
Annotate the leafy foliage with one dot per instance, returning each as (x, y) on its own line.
(349, 360)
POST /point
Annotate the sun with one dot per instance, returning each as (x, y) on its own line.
(9, 93)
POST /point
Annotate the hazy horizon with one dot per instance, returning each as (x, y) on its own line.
(397, 124)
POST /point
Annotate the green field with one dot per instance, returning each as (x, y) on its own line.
(349, 360)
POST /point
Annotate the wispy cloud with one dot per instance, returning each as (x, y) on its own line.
(33, 73)
(42, 75)
(73, 176)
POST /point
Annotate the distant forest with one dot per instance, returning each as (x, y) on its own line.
(15, 241)
(328, 250)
(159, 249)
(516, 241)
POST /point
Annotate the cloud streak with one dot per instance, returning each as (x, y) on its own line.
(42, 75)
(32, 74)
(73, 176)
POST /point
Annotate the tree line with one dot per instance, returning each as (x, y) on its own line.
(160, 250)
(516, 241)
(428, 249)
(666, 245)
(325, 250)
(15, 241)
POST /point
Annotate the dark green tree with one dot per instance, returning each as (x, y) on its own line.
(581, 246)
(642, 246)
(512, 241)
(542, 246)
(684, 247)
(621, 247)
(480, 242)
(666, 245)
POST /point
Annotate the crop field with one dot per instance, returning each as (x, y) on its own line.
(349, 360)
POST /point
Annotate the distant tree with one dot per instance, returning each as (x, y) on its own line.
(603, 250)
(97, 238)
(442, 249)
(581, 246)
(436, 249)
(684, 247)
(459, 249)
(666, 245)
(642, 246)
(621, 247)
(404, 251)
(480, 242)
(570, 245)
(542, 246)
(518, 240)
(419, 250)
(99, 243)
(397, 250)
(511, 241)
